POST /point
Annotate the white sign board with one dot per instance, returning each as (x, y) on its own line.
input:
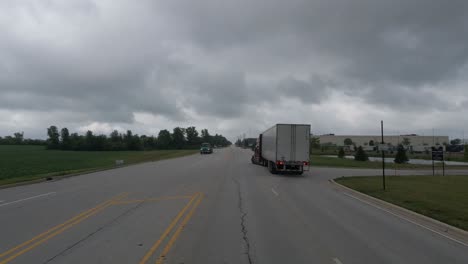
(383, 147)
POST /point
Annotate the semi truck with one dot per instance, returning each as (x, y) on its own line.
(284, 148)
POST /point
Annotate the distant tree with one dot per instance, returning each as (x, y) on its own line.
(65, 139)
(341, 153)
(116, 141)
(178, 138)
(361, 155)
(205, 136)
(100, 143)
(132, 142)
(456, 141)
(406, 142)
(128, 139)
(115, 136)
(89, 140)
(53, 142)
(371, 143)
(9, 140)
(192, 136)
(148, 142)
(348, 142)
(76, 142)
(219, 140)
(18, 138)
(29, 141)
(164, 139)
(401, 155)
(315, 142)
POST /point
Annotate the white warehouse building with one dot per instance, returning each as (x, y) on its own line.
(416, 142)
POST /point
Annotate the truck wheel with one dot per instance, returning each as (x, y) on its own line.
(271, 167)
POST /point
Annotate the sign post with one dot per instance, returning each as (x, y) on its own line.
(438, 154)
(383, 157)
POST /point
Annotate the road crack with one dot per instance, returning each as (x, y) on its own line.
(108, 224)
(243, 220)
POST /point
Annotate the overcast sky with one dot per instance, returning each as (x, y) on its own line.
(234, 67)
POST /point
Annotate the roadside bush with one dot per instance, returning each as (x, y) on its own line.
(401, 156)
(361, 155)
(341, 153)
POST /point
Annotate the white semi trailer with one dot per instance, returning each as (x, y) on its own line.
(284, 148)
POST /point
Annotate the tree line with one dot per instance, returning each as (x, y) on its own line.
(180, 138)
(18, 139)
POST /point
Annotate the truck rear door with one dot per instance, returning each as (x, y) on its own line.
(301, 142)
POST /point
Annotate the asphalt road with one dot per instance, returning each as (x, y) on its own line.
(215, 208)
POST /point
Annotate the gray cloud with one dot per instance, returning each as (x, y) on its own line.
(313, 90)
(400, 41)
(198, 61)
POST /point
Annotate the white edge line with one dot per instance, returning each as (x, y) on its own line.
(337, 261)
(406, 219)
(273, 191)
(29, 198)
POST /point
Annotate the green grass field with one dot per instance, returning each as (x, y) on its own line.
(23, 163)
(448, 156)
(441, 198)
(322, 161)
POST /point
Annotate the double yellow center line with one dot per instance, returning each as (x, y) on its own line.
(20, 249)
(42, 238)
(192, 206)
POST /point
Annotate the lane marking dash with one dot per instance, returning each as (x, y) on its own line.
(337, 261)
(273, 191)
(29, 198)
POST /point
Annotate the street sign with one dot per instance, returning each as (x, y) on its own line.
(438, 155)
(383, 147)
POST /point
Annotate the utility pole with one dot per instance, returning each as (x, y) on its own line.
(463, 138)
(433, 138)
(383, 156)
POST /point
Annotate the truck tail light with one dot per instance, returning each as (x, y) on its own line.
(280, 162)
(306, 163)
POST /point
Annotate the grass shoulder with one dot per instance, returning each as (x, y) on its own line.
(27, 163)
(323, 161)
(441, 198)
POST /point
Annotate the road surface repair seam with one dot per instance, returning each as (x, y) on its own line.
(110, 223)
(243, 221)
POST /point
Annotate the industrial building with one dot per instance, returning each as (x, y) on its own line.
(413, 142)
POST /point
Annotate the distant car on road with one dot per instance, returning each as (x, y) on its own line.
(206, 148)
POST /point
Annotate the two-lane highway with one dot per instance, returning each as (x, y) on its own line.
(215, 208)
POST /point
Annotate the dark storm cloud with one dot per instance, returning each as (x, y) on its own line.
(313, 90)
(106, 61)
(406, 43)
(103, 78)
(219, 94)
(407, 99)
